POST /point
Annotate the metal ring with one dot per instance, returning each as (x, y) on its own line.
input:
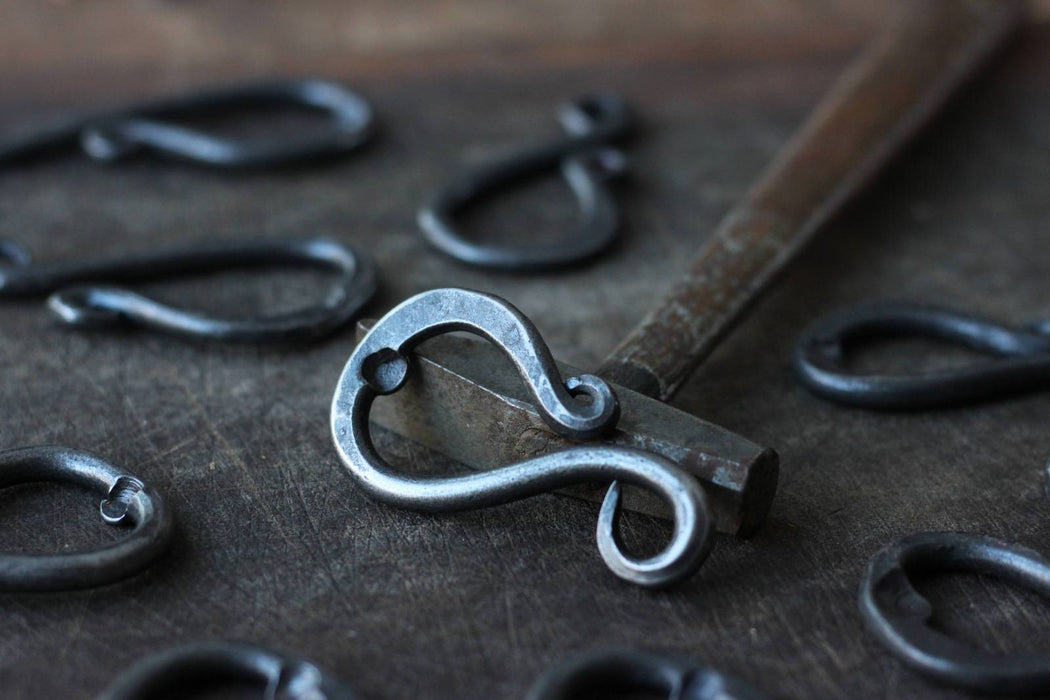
(209, 665)
(115, 134)
(899, 616)
(95, 306)
(586, 161)
(613, 673)
(380, 365)
(1021, 361)
(126, 498)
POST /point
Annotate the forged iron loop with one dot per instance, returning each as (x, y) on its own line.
(126, 498)
(118, 133)
(211, 665)
(586, 161)
(100, 306)
(1021, 361)
(612, 673)
(380, 365)
(899, 615)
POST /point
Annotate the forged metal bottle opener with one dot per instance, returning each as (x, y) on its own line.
(461, 407)
(1021, 361)
(211, 665)
(380, 365)
(97, 306)
(899, 616)
(586, 160)
(116, 134)
(627, 673)
(125, 498)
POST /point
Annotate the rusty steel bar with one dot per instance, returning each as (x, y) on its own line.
(881, 102)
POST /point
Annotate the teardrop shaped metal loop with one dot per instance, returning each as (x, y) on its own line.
(586, 161)
(125, 498)
(900, 616)
(118, 133)
(380, 365)
(1020, 359)
(99, 306)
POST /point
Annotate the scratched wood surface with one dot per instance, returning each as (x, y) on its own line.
(275, 545)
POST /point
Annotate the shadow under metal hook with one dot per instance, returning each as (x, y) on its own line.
(1020, 362)
(587, 161)
(118, 133)
(380, 365)
(99, 306)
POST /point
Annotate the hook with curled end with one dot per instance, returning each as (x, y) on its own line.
(610, 673)
(115, 134)
(98, 306)
(380, 365)
(211, 665)
(900, 616)
(1020, 362)
(586, 160)
(126, 498)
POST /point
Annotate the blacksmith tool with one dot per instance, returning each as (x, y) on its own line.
(210, 666)
(121, 132)
(82, 306)
(1020, 362)
(380, 365)
(628, 673)
(463, 404)
(900, 616)
(126, 498)
(587, 161)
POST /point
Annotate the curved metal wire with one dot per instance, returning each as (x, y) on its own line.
(1020, 362)
(211, 665)
(900, 617)
(83, 306)
(586, 160)
(612, 673)
(380, 365)
(120, 132)
(126, 498)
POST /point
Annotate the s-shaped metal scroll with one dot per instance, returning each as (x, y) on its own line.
(1020, 362)
(100, 306)
(612, 673)
(380, 365)
(899, 616)
(586, 160)
(120, 132)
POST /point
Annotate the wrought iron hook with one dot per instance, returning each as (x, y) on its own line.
(1021, 359)
(380, 365)
(118, 133)
(609, 673)
(586, 160)
(205, 665)
(899, 616)
(95, 306)
(126, 498)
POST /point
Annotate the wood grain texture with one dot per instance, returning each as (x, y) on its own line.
(273, 542)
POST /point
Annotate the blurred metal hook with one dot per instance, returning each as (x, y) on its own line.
(1021, 361)
(586, 160)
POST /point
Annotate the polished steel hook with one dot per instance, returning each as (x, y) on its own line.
(587, 161)
(118, 133)
(900, 616)
(209, 665)
(126, 498)
(82, 306)
(381, 364)
(1020, 362)
(612, 673)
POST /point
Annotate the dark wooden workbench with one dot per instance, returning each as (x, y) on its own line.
(273, 542)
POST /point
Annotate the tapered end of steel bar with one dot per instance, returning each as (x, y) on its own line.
(465, 401)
